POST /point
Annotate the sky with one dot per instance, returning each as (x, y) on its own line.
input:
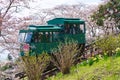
(52, 3)
(47, 4)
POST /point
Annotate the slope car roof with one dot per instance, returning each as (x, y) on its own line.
(41, 28)
(65, 20)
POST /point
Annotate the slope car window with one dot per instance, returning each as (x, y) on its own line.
(67, 28)
(25, 37)
(81, 26)
(55, 36)
(43, 37)
(21, 37)
(37, 37)
(74, 28)
(28, 37)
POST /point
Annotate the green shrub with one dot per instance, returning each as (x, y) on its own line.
(6, 66)
(117, 51)
(96, 59)
(105, 56)
(34, 66)
(84, 63)
(90, 61)
(63, 57)
(3, 68)
(108, 44)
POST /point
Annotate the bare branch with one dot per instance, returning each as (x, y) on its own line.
(9, 6)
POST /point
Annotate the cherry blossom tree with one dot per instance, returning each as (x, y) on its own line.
(10, 24)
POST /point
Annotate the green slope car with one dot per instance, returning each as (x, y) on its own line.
(39, 38)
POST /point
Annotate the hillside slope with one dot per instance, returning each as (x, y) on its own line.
(104, 69)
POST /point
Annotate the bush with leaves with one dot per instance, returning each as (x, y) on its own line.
(117, 51)
(108, 44)
(5, 67)
(63, 56)
(35, 65)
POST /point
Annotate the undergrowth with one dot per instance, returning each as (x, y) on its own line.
(104, 69)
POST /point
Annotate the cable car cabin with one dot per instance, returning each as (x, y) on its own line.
(72, 27)
(37, 38)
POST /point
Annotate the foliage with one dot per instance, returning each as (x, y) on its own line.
(5, 67)
(63, 57)
(117, 51)
(109, 11)
(105, 56)
(103, 70)
(84, 63)
(34, 66)
(108, 44)
(91, 60)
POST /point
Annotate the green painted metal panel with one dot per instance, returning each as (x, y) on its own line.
(56, 21)
(48, 47)
(77, 37)
(26, 31)
(42, 29)
(36, 27)
(74, 21)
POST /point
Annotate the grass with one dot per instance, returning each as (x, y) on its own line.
(104, 69)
